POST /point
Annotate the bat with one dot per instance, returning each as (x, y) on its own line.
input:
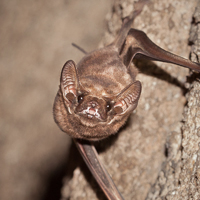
(97, 95)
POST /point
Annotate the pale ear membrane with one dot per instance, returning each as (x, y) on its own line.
(128, 99)
(69, 81)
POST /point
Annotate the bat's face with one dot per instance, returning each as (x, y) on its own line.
(92, 110)
(85, 108)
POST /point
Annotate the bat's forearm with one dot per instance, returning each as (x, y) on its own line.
(91, 158)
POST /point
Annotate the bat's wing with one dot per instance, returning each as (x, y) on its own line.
(91, 158)
(127, 23)
(137, 42)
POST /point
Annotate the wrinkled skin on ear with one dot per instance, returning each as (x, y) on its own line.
(128, 99)
(69, 83)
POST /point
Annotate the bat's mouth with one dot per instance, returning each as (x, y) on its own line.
(90, 116)
(91, 113)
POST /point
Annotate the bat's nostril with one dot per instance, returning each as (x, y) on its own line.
(93, 104)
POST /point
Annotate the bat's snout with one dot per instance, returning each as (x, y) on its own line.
(92, 110)
(93, 104)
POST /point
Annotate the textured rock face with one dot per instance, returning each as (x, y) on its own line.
(152, 148)
(180, 175)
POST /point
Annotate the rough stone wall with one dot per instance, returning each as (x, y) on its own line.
(152, 156)
(180, 176)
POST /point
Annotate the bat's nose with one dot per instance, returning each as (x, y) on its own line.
(93, 104)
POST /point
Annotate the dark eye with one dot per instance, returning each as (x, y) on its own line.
(108, 107)
(80, 98)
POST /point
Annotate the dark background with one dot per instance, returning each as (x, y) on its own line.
(36, 39)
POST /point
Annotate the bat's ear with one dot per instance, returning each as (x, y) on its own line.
(127, 100)
(69, 82)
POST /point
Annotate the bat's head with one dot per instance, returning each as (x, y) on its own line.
(85, 113)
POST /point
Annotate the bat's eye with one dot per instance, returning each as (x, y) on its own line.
(80, 98)
(108, 107)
